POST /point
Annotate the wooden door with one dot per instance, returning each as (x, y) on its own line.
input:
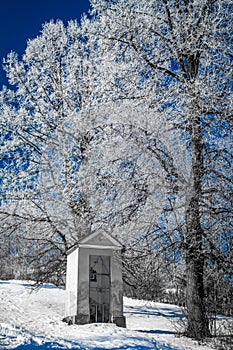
(99, 282)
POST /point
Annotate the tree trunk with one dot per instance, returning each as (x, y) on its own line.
(197, 321)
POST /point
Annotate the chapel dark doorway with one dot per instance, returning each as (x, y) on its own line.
(99, 282)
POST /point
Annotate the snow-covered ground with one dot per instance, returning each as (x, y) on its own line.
(33, 319)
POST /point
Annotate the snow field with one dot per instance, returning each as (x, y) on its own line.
(32, 319)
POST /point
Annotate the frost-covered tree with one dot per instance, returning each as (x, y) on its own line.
(64, 167)
(174, 58)
(44, 127)
(60, 175)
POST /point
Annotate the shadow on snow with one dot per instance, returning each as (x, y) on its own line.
(53, 345)
(163, 312)
(156, 331)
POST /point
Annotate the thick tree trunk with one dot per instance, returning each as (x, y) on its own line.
(197, 321)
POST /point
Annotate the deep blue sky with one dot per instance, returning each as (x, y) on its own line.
(21, 20)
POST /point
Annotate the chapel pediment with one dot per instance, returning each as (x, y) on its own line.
(100, 239)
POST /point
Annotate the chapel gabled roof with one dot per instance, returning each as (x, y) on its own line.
(97, 239)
